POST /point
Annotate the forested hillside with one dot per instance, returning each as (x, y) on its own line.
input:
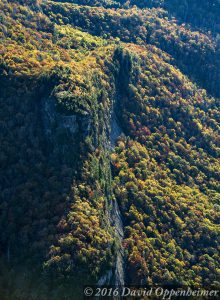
(109, 145)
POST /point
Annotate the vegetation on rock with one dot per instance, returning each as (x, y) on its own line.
(67, 72)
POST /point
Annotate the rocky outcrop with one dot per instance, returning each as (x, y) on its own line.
(64, 132)
(116, 130)
(119, 276)
(115, 276)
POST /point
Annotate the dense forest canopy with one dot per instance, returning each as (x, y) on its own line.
(110, 145)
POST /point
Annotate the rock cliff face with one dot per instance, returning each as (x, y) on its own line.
(116, 276)
(116, 130)
(64, 132)
(109, 145)
(119, 275)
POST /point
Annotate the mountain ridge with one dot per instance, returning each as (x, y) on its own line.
(84, 207)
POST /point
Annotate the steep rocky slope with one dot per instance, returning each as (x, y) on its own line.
(109, 136)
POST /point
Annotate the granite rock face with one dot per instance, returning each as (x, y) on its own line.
(64, 132)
